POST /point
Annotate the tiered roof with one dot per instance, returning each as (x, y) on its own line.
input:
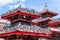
(20, 11)
(34, 30)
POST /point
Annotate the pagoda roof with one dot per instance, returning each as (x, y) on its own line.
(55, 30)
(8, 13)
(54, 23)
(47, 11)
(20, 12)
(25, 33)
(47, 19)
(23, 29)
(33, 16)
(21, 9)
(42, 20)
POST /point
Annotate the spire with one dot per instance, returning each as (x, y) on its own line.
(20, 5)
(46, 7)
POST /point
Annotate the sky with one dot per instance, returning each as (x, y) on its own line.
(38, 5)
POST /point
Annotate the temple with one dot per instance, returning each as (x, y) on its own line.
(23, 24)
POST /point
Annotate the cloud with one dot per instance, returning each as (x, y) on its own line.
(10, 4)
(4, 2)
(22, 0)
(15, 6)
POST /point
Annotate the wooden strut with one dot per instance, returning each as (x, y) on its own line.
(20, 37)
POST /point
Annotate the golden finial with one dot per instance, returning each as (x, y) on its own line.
(46, 7)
